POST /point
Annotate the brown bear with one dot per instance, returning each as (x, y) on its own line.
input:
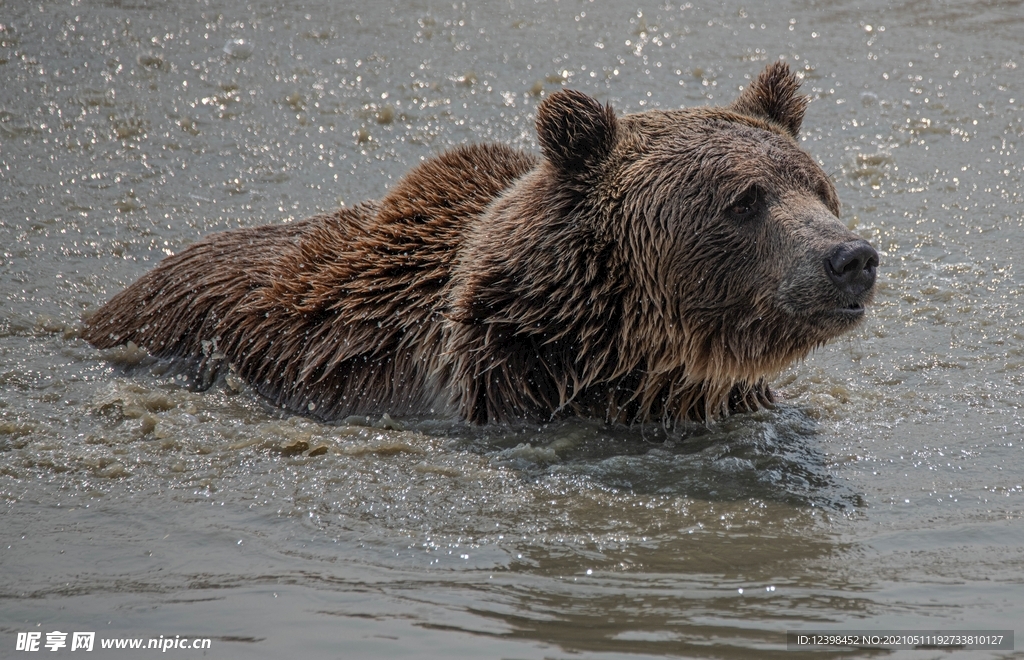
(661, 266)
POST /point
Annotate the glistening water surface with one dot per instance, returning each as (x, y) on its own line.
(885, 491)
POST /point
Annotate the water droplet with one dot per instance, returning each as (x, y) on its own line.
(239, 49)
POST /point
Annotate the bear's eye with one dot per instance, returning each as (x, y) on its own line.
(747, 205)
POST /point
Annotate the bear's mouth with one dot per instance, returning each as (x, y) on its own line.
(851, 311)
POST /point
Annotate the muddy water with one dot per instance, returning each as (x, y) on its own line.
(885, 491)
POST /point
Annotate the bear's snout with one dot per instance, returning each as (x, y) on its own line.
(851, 266)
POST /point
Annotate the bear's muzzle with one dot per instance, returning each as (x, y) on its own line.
(852, 266)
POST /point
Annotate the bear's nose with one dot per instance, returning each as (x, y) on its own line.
(851, 266)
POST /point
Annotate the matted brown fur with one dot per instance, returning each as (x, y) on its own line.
(656, 266)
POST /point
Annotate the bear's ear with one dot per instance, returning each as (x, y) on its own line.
(575, 131)
(773, 96)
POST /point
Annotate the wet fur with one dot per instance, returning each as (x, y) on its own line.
(597, 280)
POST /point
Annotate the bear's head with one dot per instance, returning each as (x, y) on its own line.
(700, 248)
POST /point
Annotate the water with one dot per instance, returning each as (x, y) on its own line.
(885, 491)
